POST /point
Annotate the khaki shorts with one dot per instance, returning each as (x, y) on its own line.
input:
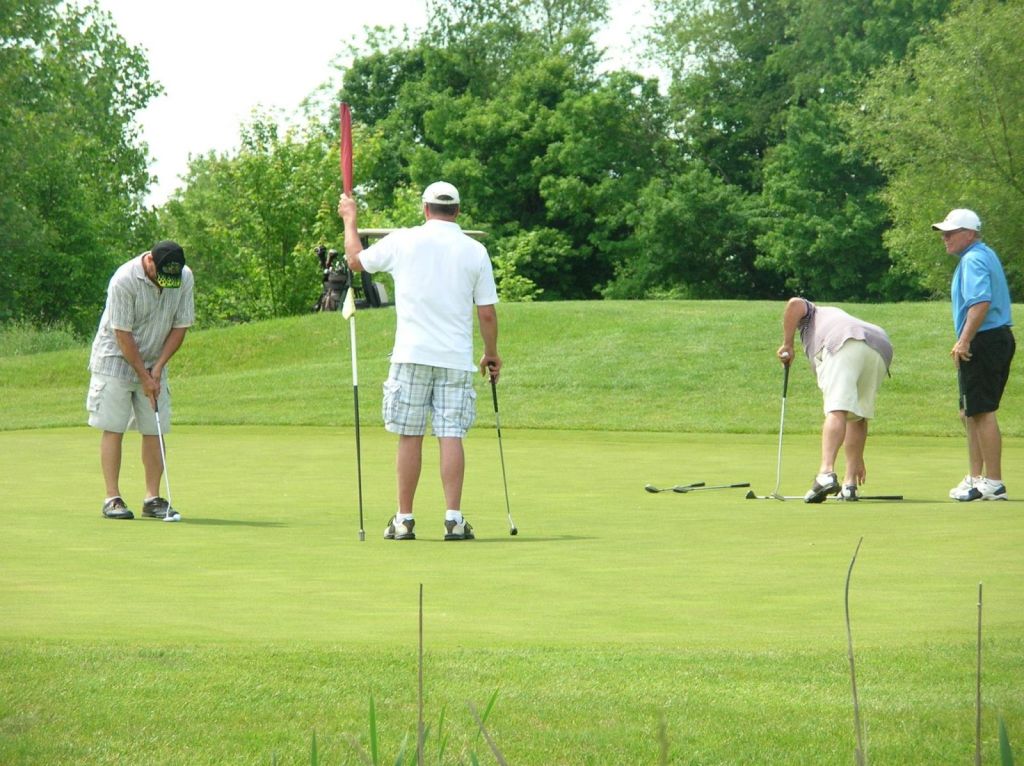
(850, 378)
(118, 405)
(413, 390)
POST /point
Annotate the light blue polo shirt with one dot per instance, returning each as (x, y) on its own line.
(978, 278)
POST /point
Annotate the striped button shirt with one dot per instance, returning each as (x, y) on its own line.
(136, 305)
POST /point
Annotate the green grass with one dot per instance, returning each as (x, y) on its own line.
(678, 366)
(232, 636)
(23, 338)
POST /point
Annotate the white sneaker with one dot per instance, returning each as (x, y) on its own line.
(991, 489)
(983, 489)
(962, 488)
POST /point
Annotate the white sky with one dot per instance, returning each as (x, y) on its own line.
(219, 59)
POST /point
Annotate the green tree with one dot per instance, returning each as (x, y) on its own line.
(821, 214)
(72, 168)
(692, 233)
(758, 91)
(947, 126)
(509, 107)
(250, 221)
(727, 94)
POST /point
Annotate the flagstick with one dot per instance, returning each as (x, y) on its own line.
(350, 314)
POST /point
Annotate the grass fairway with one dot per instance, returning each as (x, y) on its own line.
(614, 614)
(232, 636)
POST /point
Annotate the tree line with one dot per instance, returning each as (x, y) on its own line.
(795, 146)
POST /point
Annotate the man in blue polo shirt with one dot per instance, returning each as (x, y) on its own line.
(982, 353)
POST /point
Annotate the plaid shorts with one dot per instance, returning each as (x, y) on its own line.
(412, 390)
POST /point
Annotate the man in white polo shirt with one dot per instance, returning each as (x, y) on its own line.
(149, 308)
(440, 273)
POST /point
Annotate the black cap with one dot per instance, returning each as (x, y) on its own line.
(169, 259)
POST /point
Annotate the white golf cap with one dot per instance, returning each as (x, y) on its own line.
(959, 219)
(441, 193)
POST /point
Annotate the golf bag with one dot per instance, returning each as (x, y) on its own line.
(337, 277)
(336, 280)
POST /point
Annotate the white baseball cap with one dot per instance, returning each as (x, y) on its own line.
(959, 219)
(441, 193)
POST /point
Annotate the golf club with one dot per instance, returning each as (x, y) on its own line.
(512, 530)
(870, 497)
(678, 488)
(682, 490)
(782, 420)
(752, 496)
(171, 515)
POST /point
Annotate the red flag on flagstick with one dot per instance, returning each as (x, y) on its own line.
(346, 149)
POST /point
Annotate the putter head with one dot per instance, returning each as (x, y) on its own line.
(172, 517)
(651, 488)
(751, 495)
(513, 531)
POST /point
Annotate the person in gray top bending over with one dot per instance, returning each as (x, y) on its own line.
(850, 358)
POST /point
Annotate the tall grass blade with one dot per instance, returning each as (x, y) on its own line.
(860, 755)
(487, 711)
(487, 736)
(977, 692)
(401, 751)
(314, 760)
(442, 738)
(489, 706)
(1005, 753)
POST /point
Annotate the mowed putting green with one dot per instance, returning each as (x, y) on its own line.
(613, 615)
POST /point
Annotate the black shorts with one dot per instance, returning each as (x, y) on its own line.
(983, 378)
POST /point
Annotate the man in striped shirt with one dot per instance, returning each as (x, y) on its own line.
(149, 308)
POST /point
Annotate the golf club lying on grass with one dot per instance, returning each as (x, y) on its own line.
(512, 530)
(678, 488)
(681, 490)
(778, 466)
(752, 496)
(171, 515)
(773, 496)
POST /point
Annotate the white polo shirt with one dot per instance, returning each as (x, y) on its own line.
(440, 274)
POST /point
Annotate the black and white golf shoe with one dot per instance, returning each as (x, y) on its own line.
(825, 484)
(400, 530)
(455, 530)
